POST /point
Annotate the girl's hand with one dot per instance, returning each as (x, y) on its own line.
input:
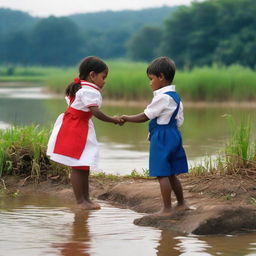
(118, 120)
(125, 118)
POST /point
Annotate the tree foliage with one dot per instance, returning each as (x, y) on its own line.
(221, 31)
(212, 31)
(64, 41)
(144, 44)
(56, 41)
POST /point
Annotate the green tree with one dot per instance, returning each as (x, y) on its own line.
(144, 45)
(17, 48)
(177, 35)
(56, 41)
(239, 49)
(210, 31)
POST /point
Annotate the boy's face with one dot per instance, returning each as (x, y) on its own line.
(157, 82)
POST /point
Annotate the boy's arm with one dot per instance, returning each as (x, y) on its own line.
(139, 118)
(103, 117)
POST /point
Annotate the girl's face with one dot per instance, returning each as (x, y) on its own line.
(98, 78)
(157, 82)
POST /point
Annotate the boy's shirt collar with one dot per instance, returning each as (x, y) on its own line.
(164, 89)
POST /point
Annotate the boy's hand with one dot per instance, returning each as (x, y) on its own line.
(118, 120)
(125, 118)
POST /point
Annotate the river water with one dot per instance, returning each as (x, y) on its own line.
(40, 225)
(123, 149)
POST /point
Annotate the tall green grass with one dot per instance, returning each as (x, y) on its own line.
(25, 74)
(238, 156)
(215, 83)
(128, 81)
(240, 152)
(23, 152)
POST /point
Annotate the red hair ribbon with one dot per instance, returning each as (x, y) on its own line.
(77, 80)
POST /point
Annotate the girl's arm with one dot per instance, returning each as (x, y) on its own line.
(139, 118)
(101, 116)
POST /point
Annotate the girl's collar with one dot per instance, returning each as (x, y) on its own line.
(85, 83)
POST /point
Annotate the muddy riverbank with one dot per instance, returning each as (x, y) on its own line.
(217, 204)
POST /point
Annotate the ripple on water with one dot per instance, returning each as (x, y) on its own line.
(33, 230)
(4, 125)
(38, 225)
(24, 93)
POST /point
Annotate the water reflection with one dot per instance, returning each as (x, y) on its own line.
(168, 245)
(80, 240)
(43, 225)
(192, 246)
(237, 245)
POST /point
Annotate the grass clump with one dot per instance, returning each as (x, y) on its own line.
(237, 158)
(240, 152)
(23, 152)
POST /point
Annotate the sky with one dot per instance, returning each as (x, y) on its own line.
(45, 8)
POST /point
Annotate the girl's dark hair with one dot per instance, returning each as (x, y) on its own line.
(162, 65)
(87, 65)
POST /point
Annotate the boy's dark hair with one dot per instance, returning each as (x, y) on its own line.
(162, 65)
(88, 64)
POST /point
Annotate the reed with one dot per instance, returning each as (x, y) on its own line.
(237, 158)
(128, 81)
(23, 152)
(240, 153)
(233, 83)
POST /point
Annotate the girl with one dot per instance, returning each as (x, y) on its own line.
(73, 140)
(167, 157)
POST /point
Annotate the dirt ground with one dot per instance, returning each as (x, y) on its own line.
(217, 204)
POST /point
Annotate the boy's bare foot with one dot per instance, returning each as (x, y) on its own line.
(165, 212)
(89, 205)
(181, 207)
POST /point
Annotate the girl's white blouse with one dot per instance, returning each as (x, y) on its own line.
(163, 106)
(85, 97)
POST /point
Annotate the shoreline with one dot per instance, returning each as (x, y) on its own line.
(187, 104)
(217, 204)
(145, 102)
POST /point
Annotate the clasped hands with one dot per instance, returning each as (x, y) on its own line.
(120, 120)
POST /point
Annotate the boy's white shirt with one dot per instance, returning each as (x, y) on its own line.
(163, 106)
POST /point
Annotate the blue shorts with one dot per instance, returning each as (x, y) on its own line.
(167, 155)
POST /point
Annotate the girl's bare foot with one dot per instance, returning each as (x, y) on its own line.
(89, 205)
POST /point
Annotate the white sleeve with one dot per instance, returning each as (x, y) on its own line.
(67, 100)
(157, 106)
(180, 116)
(90, 98)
